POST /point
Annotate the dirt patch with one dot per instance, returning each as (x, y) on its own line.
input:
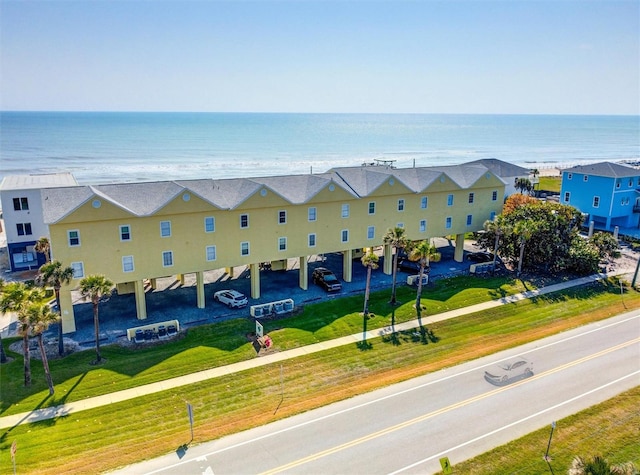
(50, 347)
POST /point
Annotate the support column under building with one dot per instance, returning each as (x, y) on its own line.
(200, 289)
(458, 255)
(66, 311)
(303, 277)
(141, 300)
(255, 280)
(387, 267)
(347, 265)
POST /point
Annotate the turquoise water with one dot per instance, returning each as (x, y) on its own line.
(109, 147)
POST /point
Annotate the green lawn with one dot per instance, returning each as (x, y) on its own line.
(550, 183)
(223, 343)
(101, 439)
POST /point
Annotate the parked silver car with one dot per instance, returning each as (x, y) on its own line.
(509, 371)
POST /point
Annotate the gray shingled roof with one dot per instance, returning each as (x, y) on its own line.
(146, 198)
(141, 199)
(500, 168)
(606, 169)
(362, 180)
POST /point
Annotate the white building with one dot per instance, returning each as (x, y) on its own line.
(23, 218)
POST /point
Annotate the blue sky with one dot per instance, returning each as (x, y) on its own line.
(539, 57)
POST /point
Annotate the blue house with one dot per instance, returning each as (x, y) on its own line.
(608, 192)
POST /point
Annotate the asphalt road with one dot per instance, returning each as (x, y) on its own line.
(408, 427)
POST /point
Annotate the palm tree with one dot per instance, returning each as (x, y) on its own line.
(600, 466)
(93, 287)
(16, 297)
(524, 231)
(422, 254)
(40, 316)
(43, 246)
(54, 275)
(499, 228)
(395, 238)
(370, 261)
(3, 355)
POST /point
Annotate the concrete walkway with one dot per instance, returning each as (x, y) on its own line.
(90, 403)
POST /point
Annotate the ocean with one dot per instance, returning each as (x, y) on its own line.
(105, 147)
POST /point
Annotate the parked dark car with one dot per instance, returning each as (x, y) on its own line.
(480, 256)
(326, 279)
(412, 267)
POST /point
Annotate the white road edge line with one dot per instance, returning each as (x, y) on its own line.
(508, 426)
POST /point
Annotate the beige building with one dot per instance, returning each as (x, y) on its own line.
(137, 232)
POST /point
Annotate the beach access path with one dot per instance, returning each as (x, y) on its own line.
(119, 396)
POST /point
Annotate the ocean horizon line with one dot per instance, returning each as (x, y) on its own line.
(479, 114)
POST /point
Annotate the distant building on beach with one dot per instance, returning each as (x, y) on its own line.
(607, 192)
(23, 217)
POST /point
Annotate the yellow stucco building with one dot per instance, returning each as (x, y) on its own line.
(133, 232)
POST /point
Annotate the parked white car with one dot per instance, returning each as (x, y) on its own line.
(231, 298)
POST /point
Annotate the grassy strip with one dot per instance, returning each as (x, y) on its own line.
(93, 441)
(550, 183)
(610, 429)
(223, 343)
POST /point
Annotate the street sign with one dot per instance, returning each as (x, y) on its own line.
(446, 465)
(190, 412)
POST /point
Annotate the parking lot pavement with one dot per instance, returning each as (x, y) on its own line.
(172, 300)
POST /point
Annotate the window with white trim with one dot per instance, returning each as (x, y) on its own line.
(210, 252)
(312, 213)
(469, 219)
(449, 200)
(78, 270)
(209, 224)
(282, 244)
(372, 207)
(312, 240)
(401, 204)
(471, 197)
(449, 222)
(585, 178)
(345, 235)
(167, 258)
(125, 232)
(567, 196)
(494, 195)
(371, 232)
(423, 225)
(492, 215)
(596, 201)
(424, 202)
(165, 228)
(127, 263)
(244, 248)
(282, 217)
(244, 220)
(345, 210)
(73, 237)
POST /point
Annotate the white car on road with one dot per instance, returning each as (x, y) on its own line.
(231, 298)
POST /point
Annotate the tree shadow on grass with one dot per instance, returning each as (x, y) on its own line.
(364, 345)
